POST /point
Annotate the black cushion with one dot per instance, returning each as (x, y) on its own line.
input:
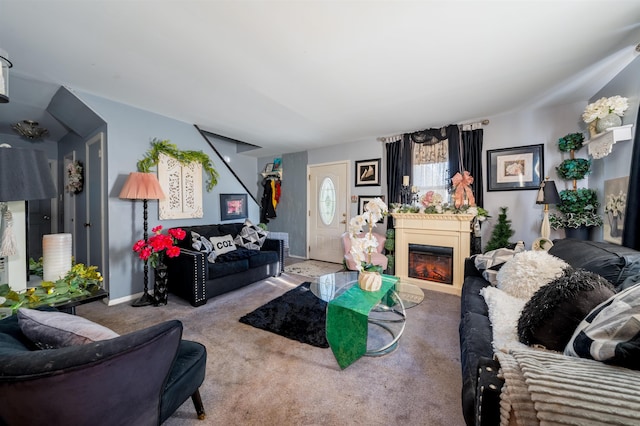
(613, 262)
(221, 269)
(550, 317)
(262, 258)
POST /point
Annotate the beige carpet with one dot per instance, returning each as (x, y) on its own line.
(258, 378)
(313, 268)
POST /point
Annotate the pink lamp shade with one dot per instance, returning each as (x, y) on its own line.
(142, 186)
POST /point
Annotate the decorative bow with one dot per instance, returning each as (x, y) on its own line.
(461, 185)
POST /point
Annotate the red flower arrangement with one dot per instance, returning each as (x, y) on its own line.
(153, 249)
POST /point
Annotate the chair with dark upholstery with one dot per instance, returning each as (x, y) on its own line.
(139, 378)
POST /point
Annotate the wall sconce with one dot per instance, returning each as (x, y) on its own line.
(5, 64)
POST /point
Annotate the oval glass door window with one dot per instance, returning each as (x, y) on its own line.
(327, 201)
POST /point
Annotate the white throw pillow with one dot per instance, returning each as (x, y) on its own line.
(526, 272)
(50, 330)
(504, 311)
(222, 244)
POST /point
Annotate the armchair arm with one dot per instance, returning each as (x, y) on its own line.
(277, 246)
(116, 381)
(187, 275)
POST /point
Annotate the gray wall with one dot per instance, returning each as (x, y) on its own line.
(242, 165)
(130, 131)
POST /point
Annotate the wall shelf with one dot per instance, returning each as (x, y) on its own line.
(601, 145)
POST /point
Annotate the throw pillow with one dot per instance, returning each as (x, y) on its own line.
(527, 271)
(504, 311)
(489, 263)
(611, 331)
(222, 244)
(549, 318)
(202, 244)
(251, 236)
(51, 330)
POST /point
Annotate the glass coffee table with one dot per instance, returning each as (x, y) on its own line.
(387, 310)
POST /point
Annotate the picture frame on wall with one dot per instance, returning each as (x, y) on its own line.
(518, 168)
(368, 172)
(364, 199)
(233, 206)
(615, 208)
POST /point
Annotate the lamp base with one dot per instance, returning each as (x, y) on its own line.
(144, 300)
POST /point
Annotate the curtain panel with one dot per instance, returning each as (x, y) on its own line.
(631, 232)
(472, 161)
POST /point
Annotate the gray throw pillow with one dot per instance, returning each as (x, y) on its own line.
(251, 236)
(51, 330)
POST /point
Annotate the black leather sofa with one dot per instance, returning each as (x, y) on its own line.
(192, 277)
(481, 385)
(139, 378)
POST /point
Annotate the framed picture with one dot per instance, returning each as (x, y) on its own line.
(277, 164)
(364, 199)
(233, 206)
(268, 168)
(368, 172)
(615, 208)
(515, 168)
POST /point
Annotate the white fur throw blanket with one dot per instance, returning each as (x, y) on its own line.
(548, 388)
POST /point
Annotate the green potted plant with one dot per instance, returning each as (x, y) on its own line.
(577, 210)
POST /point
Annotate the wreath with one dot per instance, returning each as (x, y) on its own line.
(75, 177)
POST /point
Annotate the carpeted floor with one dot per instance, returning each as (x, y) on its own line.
(255, 377)
(313, 268)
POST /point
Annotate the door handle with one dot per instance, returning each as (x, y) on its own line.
(343, 221)
(87, 224)
(46, 217)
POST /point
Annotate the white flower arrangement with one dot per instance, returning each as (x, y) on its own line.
(605, 106)
(362, 247)
(74, 171)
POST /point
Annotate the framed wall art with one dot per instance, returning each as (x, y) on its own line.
(368, 172)
(615, 208)
(364, 199)
(233, 206)
(517, 168)
(182, 186)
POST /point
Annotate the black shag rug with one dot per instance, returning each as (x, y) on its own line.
(298, 315)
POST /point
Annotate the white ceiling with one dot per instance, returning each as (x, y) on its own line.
(294, 75)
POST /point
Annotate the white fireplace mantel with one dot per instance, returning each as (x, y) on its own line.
(444, 230)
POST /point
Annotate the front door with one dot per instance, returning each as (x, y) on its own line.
(328, 195)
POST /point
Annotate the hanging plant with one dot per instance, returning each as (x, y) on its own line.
(576, 168)
(152, 157)
(571, 142)
(74, 173)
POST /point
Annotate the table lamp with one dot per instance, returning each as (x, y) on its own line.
(24, 175)
(143, 186)
(547, 194)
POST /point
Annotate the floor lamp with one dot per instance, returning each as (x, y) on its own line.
(24, 175)
(143, 186)
(547, 194)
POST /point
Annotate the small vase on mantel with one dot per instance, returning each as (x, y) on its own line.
(370, 281)
(610, 120)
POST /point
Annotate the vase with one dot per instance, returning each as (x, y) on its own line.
(610, 120)
(160, 285)
(369, 281)
(581, 233)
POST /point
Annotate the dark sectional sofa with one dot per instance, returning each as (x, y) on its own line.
(481, 385)
(195, 279)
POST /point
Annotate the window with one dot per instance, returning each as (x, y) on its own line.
(431, 168)
(327, 201)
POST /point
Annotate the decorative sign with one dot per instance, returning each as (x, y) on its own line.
(182, 186)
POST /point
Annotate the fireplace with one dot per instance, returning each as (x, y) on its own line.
(431, 248)
(431, 263)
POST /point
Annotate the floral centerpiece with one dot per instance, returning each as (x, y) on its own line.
(154, 248)
(605, 113)
(363, 246)
(81, 280)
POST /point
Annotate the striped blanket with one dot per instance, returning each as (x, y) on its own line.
(548, 388)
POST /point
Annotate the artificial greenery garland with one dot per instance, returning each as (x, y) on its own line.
(152, 158)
